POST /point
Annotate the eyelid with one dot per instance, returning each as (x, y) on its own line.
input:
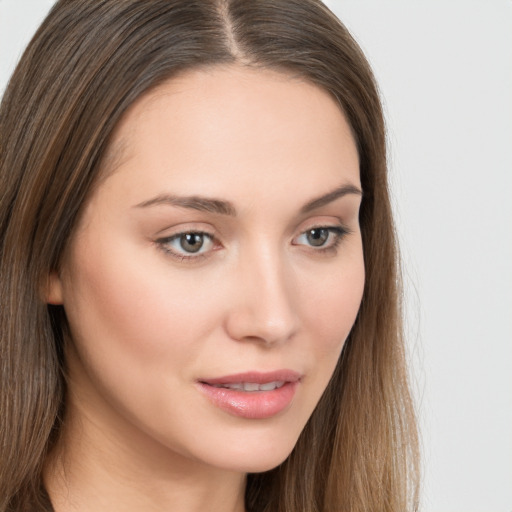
(164, 242)
(336, 231)
(191, 226)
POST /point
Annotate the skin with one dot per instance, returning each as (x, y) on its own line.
(146, 324)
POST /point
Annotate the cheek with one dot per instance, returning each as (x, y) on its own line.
(333, 304)
(136, 337)
(131, 310)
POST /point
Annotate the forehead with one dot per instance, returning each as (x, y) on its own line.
(214, 124)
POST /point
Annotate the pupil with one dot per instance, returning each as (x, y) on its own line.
(191, 242)
(318, 237)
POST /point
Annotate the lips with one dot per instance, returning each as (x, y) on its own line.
(252, 395)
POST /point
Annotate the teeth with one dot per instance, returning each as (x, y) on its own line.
(252, 386)
(237, 386)
(271, 386)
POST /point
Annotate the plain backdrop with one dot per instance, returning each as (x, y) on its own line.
(445, 72)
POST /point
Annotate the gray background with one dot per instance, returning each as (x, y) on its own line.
(445, 71)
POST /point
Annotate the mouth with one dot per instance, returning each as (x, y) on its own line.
(251, 387)
(252, 395)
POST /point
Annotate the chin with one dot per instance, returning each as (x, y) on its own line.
(264, 463)
(254, 455)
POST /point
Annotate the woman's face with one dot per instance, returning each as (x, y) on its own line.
(216, 271)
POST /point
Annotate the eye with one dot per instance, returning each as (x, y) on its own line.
(187, 245)
(323, 237)
(317, 237)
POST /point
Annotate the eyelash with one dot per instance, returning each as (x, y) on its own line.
(338, 232)
(164, 243)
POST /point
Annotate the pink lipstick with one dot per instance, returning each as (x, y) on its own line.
(252, 395)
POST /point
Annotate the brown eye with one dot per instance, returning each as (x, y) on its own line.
(188, 244)
(191, 242)
(317, 237)
(321, 238)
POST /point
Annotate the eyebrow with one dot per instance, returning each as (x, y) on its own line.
(203, 204)
(330, 197)
(219, 206)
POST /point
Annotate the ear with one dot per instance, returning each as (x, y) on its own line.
(53, 289)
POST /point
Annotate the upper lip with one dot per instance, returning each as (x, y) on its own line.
(255, 377)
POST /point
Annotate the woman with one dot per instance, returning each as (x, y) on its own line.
(181, 328)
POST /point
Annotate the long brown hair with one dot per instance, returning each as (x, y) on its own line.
(88, 62)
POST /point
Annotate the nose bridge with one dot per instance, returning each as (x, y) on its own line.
(264, 305)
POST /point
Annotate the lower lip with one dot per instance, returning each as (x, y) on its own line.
(251, 404)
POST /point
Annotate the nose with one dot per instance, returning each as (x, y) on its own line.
(263, 306)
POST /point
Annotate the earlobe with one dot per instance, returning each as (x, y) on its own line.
(53, 289)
